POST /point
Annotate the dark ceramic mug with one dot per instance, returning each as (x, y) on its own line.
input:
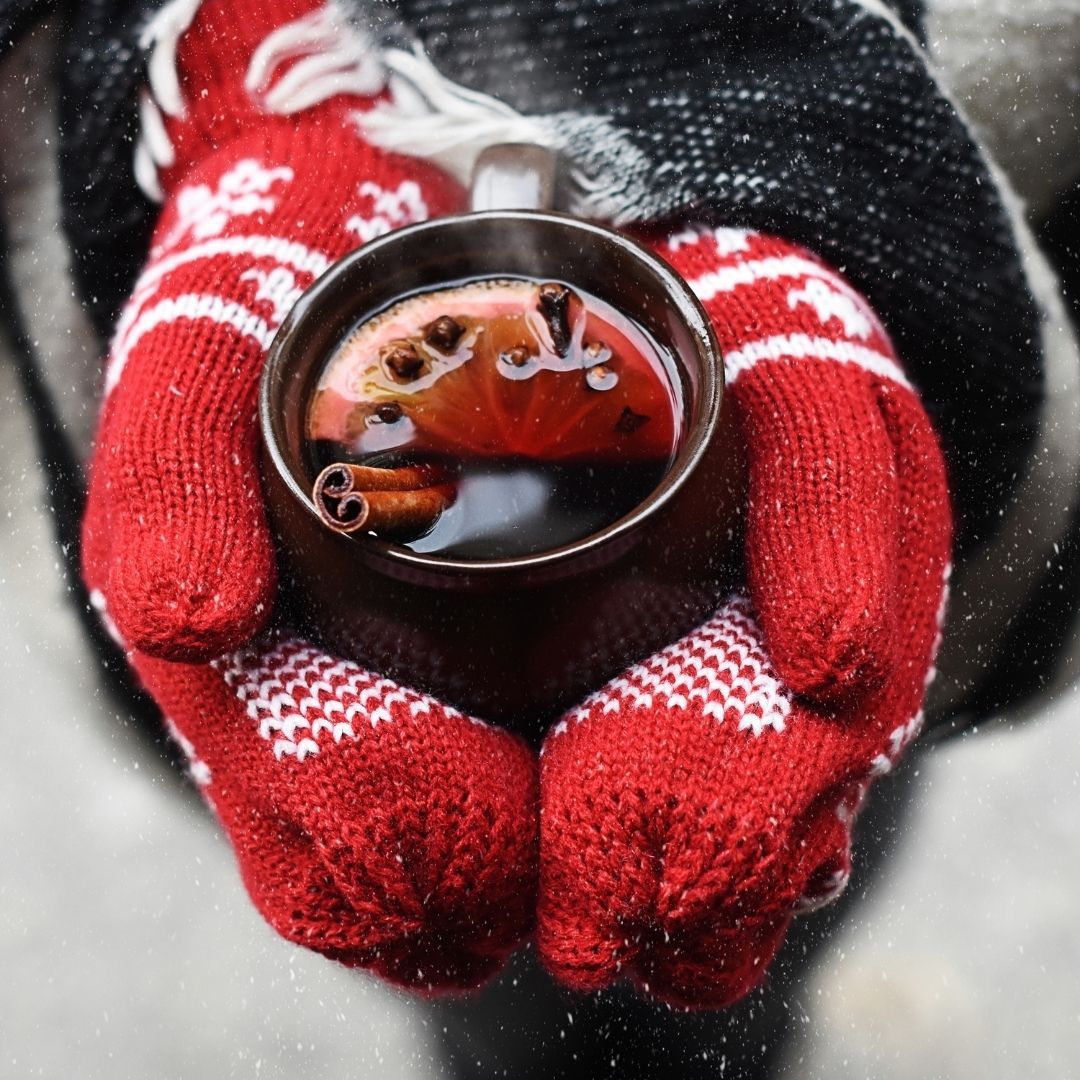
(512, 640)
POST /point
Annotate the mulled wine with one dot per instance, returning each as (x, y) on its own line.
(492, 418)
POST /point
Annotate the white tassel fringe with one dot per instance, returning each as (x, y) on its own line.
(332, 57)
(162, 35)
(153, 148)
(431, 117)
(337, 58)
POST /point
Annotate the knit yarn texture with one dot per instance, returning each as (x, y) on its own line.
(686, 810)
(176, 535)
(818, 121)
(370, 822)
(696, 803)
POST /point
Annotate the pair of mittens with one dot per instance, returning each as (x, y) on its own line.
(681, 814)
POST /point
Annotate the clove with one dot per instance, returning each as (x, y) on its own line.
(443, 334)
(401, 359)
(629, 421)
(596, 352)
(401, 502)
(389, 412)
(518, 356)
(555, 307)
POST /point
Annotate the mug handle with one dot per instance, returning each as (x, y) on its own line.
(513, 176)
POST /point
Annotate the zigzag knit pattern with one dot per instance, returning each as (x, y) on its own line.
(371, 823)
(722, 667)
(304, 700)
(694, 804)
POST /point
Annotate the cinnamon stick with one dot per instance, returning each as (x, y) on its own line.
(400, 502)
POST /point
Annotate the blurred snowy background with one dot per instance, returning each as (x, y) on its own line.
(129, 950)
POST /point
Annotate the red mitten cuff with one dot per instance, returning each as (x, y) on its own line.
(220, 68)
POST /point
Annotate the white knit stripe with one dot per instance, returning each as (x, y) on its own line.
(724, 240)
(198, 770)
(942, 613)
(100, 605)
(727, 279)
(217, 309)
(805, 347)
(899, 738)
(286, 255)
(284, 252)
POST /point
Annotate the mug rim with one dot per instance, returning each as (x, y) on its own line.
(698, 435)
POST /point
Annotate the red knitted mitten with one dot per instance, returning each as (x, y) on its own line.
(256, 206)
(371, 823)
(692, 805)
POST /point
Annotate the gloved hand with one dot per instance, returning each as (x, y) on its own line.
(371, 823)
(693, 805)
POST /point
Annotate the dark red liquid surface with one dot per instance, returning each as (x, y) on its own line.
(551, 429)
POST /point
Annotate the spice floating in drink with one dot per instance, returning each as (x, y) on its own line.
(398, 502)
(518, 393)
(555, 306)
